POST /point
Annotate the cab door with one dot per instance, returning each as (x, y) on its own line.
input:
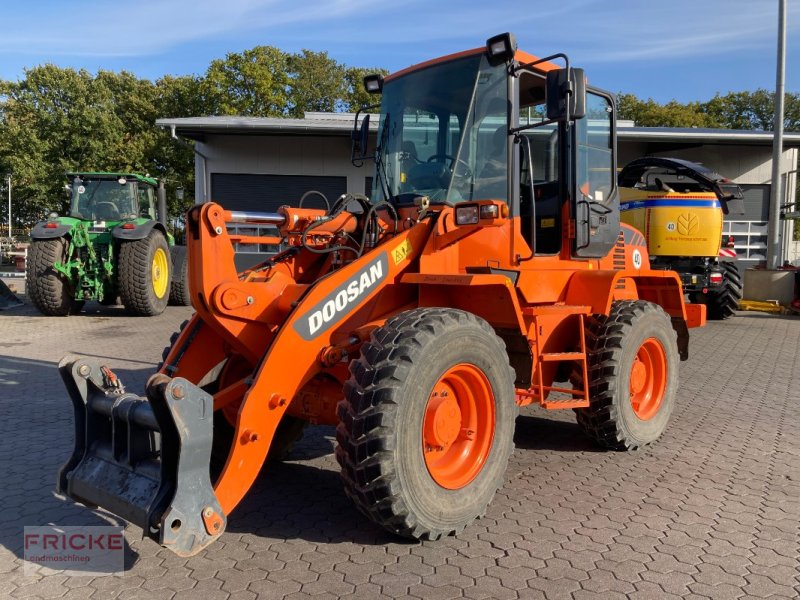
(595, 205)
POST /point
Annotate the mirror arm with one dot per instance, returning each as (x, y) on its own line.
(516, 130)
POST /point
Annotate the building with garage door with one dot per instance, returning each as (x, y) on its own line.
(259, 164)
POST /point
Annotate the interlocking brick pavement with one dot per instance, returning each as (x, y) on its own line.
(710, 511)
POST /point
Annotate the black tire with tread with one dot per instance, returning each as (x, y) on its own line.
(379, 436)
(135, 277)
(179, 289)
(49, 290)
(612, 344)
(722, 304)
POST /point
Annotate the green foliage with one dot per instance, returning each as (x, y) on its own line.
(734, 110)
(254, 83)
(317, 83)
(649, 113)
(57, 119)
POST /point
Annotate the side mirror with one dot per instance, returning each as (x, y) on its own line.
(360, 137)
(566, 94)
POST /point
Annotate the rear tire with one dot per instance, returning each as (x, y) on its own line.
(722, 304)
(144, 274)
(179, 290)
(426, 425)
(633, 375)
(49, 290)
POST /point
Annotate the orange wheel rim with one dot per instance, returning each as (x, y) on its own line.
(458, 426)
(648, 379)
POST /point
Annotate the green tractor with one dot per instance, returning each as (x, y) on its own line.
(113, 244)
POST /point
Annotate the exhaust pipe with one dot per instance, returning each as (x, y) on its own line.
(143, 459)
(161, 197)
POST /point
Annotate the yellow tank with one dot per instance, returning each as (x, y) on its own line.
(674, 224)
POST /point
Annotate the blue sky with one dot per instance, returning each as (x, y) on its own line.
(683, 49)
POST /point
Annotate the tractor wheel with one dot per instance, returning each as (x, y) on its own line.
(633, 375)
(144, 274)
(179, 290)
(50, 291)
(722, 304)
(427, 421)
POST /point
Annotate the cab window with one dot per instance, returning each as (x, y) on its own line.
(595, 160)
(146, 207)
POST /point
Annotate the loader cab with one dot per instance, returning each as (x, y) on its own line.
(471, 127)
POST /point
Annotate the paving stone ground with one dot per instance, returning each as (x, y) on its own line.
(710, 511)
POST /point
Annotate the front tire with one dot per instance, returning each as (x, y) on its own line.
(426, 425)
(633, 375)
(49, 290)
(144, 274)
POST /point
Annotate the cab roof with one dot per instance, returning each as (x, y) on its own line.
(109, 175)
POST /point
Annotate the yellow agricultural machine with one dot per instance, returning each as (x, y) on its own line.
(679, 206)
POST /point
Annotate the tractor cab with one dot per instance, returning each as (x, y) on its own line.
(498, 124)
(111, 197)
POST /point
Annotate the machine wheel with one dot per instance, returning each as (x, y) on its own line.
(633, 372)
(179, 290)
(50, 291)
(722, 304)
(427, 421)
(144, 274)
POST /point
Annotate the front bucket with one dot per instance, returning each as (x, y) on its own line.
(143, 459)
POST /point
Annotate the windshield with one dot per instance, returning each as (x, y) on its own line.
(443, 133)
(103, 199)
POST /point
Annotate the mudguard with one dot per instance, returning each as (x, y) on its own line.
(139, 233)
(40, 232)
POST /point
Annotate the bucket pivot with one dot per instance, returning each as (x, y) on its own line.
(143, 459)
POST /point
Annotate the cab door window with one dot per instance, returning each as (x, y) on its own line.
(595, 190)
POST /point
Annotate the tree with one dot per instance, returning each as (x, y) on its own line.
(650, 113)
(253, 83)
(55, 120)
(752, 110)
(317, 83)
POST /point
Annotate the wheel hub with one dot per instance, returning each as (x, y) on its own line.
(458, 426)
(648, 379)
(638, 376)
(442, 420)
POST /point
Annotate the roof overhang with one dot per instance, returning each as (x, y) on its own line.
(341, 124)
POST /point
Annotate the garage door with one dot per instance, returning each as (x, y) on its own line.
(265, 193)
(749, 230)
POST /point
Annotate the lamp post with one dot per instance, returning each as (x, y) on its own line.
(776, 195)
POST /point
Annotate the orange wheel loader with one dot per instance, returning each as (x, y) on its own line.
(487, 271)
